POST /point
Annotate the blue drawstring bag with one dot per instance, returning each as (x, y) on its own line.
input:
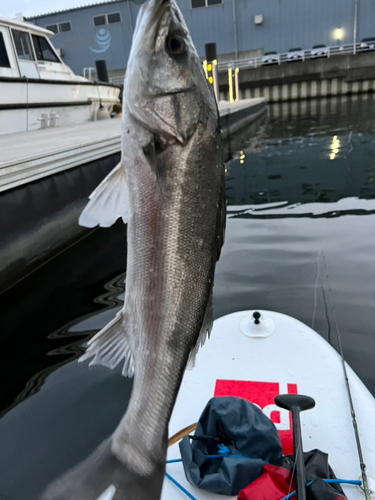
(232, 441)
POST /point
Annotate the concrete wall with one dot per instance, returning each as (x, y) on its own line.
(305, 90)
(338, 75)
(286, 24)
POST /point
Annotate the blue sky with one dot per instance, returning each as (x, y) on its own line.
(35, 7)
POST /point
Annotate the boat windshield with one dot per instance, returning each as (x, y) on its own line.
(43, 49)
(4, 60)
(23, 45)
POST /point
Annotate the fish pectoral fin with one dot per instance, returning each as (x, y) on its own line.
(108, 202)
(204, 334)
(111, 345)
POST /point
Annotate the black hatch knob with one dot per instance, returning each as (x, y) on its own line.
(256, 316)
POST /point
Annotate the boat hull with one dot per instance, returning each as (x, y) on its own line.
(27, 105)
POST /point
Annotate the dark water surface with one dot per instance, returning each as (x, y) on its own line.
(301, 195)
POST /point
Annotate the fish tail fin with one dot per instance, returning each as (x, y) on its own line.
(110, 346)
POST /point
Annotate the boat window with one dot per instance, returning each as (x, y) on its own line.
(23, 45)
(43, 49)
(4, 61)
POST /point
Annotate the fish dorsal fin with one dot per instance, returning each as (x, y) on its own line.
(108, 202)
(204, 334)
(111, 345)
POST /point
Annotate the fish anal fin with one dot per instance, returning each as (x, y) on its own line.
(111, 345)
(204, 334)
(108, 202)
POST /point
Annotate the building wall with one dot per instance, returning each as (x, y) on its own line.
(79, 47)
(286, 24)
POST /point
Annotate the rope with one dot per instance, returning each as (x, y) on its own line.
(211, 456)
(365, 486)
(224, 451)
(180, 486)
(329, 481)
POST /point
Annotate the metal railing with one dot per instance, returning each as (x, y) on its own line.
(300, 55)
(116, 80)
(88, 71)
(90, 74)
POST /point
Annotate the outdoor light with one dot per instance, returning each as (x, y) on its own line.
(338, 34)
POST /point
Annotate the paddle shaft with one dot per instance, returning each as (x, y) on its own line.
(298, 455)
(296, 403)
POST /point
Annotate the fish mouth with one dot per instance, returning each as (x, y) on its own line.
(168, 93)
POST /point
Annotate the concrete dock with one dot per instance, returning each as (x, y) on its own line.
(29, 156)
(47, 175)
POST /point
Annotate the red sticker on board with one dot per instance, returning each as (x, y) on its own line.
(263, 394)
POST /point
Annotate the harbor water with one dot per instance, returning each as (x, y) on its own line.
(300, 240)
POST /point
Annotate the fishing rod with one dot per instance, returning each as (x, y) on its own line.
(365, 486)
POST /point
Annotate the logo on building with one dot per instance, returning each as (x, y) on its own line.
(102, 41)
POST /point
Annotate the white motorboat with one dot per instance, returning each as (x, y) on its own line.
(37, 90)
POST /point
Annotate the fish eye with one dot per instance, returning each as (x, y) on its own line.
(175, 45)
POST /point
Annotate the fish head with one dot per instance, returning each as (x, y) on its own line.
(165, 86)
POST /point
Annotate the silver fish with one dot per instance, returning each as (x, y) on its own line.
(169, 189)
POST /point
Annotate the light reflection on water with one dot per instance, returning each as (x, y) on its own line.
(303, 185)
(335, 147)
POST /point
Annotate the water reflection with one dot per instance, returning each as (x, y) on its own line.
(335, 146)
(37, 315)
(290, 159)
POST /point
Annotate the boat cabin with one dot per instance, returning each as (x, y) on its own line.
(26, 52)
(38, 90)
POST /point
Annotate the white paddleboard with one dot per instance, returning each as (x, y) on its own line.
(257, 362)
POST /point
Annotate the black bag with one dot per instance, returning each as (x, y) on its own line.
(245, 430)
(317, 467)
